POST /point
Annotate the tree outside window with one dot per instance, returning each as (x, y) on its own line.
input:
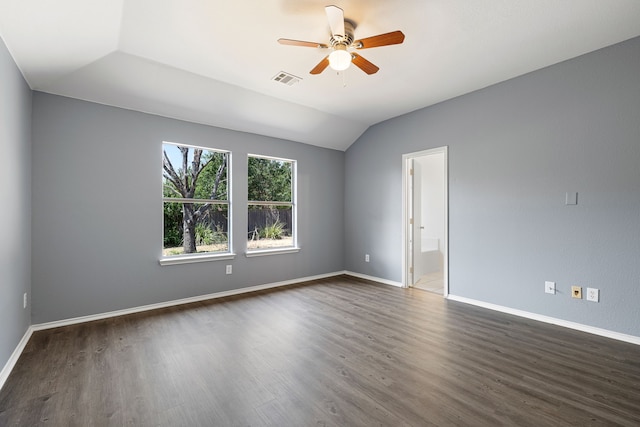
(271, 203)
(196, 200)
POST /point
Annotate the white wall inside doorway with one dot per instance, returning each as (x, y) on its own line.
(425, 216)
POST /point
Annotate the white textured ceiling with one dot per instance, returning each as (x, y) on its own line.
(212, 62)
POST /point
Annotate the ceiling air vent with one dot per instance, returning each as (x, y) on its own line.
(286, 78)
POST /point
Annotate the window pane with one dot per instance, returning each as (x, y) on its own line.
(269, 227)
(194, 173)
(191, 228)
(269, 180)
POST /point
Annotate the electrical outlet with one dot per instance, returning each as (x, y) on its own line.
(24, 300)
(366, 257)
(593, 294)
(229, 269)
(550, 287)
(576, 292)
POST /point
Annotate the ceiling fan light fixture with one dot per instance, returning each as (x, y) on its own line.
(339, 59)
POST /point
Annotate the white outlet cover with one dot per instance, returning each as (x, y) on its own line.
(550, 287)
(593, 294)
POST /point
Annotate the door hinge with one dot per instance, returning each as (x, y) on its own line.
(411, 171)
(410, 269)
(410, 221)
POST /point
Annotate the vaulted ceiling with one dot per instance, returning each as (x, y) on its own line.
(213, 62)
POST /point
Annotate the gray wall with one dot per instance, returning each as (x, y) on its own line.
(15, 196)
(97, 210)
(514, 150)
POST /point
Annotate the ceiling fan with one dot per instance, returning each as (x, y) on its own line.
(342, 44)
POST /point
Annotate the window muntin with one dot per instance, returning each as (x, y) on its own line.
(271, 213)
(196, 205)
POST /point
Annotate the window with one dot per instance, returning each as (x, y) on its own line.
(196, 206)
(271, 204)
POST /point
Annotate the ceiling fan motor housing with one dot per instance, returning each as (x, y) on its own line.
(345, 39)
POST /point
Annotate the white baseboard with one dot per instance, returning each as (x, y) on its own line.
(139, 309)
(552, 320)
(374, 279)
(11, 363)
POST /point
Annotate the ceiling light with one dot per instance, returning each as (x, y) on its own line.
(339, 59)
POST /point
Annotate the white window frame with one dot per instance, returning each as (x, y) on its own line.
(294, 210)
(210, 256)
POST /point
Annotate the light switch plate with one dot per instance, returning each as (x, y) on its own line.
(571, 198)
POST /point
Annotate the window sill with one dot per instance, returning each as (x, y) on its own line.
(264, 252)
(188, 259)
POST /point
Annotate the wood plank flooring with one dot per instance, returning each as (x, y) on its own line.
(333, 352)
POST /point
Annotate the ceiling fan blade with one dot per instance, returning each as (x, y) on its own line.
(386, 39)
(321, 66)
(335, 15)
(363, 64)
(302, 43)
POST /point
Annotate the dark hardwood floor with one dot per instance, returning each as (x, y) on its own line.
(333, 352)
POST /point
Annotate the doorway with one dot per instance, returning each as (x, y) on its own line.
(425, 218)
